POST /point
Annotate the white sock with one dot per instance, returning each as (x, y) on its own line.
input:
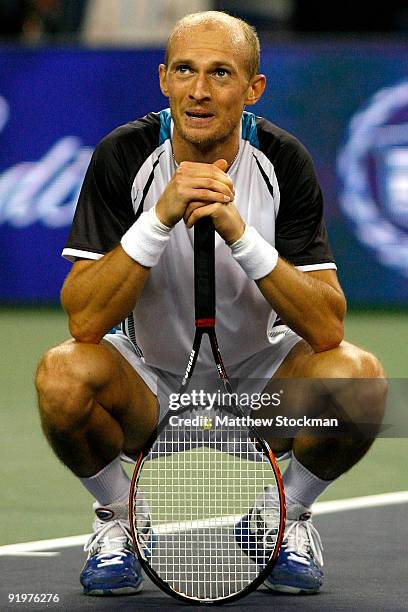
(110, 484)
(301, 486)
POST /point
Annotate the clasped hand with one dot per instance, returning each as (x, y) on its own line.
(199, 190)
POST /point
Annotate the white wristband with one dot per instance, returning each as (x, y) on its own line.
(146, 239)
(254, 254)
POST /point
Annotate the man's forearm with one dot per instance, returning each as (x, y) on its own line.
(311, 307)
(97, 295)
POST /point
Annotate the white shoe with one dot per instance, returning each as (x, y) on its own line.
(112, 567)
(298, 568)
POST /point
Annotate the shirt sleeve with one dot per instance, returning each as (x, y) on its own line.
(301, 234)
(104, 211)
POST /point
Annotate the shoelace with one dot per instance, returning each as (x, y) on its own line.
(302, 537)
(112, 547)
(115, 546)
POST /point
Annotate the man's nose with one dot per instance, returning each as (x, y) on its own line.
(201, 88)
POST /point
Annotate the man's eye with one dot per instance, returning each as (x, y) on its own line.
(183, 69)
(221, 72)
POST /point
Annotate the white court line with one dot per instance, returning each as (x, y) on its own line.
(41, 545)
(354, 503)
(27, 553)
(340, 505)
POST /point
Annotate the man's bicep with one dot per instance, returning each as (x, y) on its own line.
(79, 265)
(70, 287)
(327, 276)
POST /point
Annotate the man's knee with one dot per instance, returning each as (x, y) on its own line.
(363, 389)
(367, 365)
(352, 376)
(345, 361)
(65, 382)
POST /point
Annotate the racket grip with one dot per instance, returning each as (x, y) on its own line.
(204, 272)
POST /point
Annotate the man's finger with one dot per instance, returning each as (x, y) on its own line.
(210, 184)
(194, 205)
(212, 171)
(201, 211)
(222, 164)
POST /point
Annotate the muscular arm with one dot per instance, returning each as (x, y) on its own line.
(97, 295)
(310, 303)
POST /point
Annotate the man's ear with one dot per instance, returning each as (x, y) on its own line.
(162, 79)
(256, 88)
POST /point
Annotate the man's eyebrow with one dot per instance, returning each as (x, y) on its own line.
(213, 64)
(217, 63)
(181, 61)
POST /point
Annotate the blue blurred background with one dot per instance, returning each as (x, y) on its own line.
(345, 98)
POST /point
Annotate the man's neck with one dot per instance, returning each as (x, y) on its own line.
(185, 151)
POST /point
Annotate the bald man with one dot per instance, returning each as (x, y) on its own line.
(280, 313)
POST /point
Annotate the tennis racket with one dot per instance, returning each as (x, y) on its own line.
(195, 484)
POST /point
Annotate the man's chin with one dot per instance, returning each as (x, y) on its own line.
(202, 139)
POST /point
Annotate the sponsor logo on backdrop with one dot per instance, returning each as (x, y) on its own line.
(43, 191)
(373, 169)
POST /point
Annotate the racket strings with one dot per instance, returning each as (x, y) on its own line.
(199, 481)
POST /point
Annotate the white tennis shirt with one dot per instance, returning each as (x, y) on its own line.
(276, 192)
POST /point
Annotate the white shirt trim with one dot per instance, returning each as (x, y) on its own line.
(322, 266)
(71, 254)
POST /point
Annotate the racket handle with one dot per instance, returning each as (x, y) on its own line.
(204, 272)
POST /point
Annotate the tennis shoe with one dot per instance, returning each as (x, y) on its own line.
(112, 567)
(299, 566)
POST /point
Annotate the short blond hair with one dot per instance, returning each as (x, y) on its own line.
(212, 17)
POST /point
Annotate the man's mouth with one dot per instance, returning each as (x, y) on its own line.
(199, 114)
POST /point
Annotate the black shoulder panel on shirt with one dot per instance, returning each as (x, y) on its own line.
(300, 234)
(105, 211)
(135, 141)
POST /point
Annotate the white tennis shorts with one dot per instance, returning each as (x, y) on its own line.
(255, 371)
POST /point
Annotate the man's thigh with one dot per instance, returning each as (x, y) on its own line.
(309, 379)
(95, 379)
(344, 361)
(129, 400)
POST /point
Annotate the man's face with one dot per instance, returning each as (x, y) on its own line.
(207, 85)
